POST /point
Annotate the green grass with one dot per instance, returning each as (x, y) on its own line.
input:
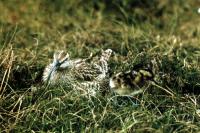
(139, 32)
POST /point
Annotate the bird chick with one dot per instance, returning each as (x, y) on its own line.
(128, 82)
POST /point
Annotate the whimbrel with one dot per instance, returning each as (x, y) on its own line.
(87, 74)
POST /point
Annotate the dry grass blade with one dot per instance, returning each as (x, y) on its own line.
(4, 82)
(164, 89)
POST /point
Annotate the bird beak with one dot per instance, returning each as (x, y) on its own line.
(52, 69)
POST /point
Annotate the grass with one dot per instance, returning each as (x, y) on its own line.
(139, 32)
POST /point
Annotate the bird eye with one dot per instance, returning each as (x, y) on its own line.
(118, 80)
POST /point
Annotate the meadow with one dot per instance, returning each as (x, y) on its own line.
(138, 31)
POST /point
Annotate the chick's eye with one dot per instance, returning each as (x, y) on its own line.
(118, 80)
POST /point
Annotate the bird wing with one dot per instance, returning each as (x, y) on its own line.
(86, 72)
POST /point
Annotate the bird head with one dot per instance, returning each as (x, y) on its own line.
(60, 58)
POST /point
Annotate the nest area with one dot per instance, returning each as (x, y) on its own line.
(138, 31)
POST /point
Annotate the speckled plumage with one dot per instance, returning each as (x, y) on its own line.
(130, 81)
(88, 75)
